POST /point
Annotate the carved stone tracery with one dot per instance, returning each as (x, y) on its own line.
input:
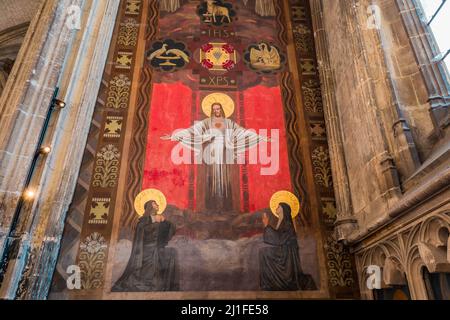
(424, 244)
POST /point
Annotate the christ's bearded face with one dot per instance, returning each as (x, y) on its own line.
(217, 110)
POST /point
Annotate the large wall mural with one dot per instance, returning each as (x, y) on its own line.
(207, 172)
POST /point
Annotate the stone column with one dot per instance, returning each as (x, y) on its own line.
(345, 221)
(23, 106)
(368, 155)
(54, 54)
(380, 101)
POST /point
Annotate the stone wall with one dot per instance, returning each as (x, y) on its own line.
(408, 85)
(54, 54)
(16, 12)
(14, 23)
(387, 119)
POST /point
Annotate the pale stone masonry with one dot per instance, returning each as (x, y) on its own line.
(17, 12)
(52, 55)
(387, 119)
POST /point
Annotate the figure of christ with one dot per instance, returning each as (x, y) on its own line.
(218, 141)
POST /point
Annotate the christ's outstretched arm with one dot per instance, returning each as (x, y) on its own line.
(243, 139)
(193, 137)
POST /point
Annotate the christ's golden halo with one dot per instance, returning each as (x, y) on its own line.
(285, 197)
(225, 100)
(147, 195)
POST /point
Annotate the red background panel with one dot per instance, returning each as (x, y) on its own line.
(171, 109)
(264, 110)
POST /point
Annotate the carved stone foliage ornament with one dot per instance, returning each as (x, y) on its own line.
(168, 55)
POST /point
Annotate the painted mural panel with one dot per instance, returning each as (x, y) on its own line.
(199, 183)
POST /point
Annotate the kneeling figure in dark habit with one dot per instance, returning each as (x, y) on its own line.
(152, 267)
(280, 268)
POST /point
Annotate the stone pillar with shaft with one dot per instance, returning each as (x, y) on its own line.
(66, 46)
(345, 221)
(371, 147)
